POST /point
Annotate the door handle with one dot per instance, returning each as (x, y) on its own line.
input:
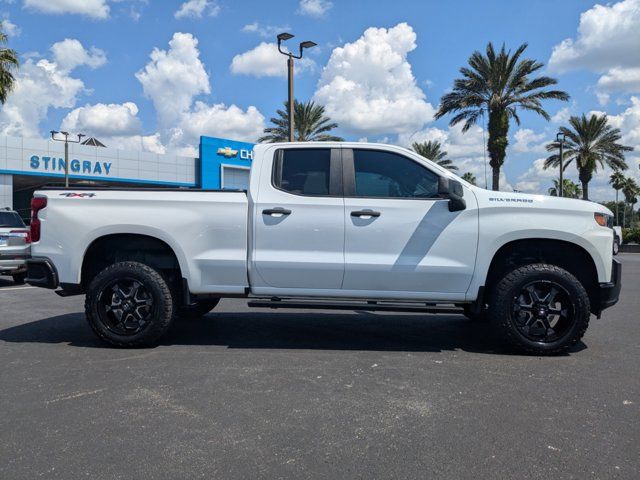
(365, 213)
(276, 211)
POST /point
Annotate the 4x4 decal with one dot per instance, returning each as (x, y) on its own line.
(78, 195)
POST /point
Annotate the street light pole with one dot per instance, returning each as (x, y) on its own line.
(561, 144)
(66, 151)
(290, 99)
(290, 57)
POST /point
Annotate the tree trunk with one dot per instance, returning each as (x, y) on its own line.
(617, 212)
(495, 179)
(585, 175)
(497, 143)
(624, 216)
(585, 190)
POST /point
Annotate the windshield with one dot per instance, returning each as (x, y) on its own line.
(10, 220)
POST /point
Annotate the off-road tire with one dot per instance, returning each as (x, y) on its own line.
(162, 310)
(508, 290)
(19, 278)
(197, 309)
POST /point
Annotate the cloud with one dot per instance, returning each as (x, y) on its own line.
(10, 28)
(265, 61)
(368, 86)
(104, 120)
(607, 42)
(526, 140)
(218, 121)
(314, 8)
(97, 9)
(43, 84)
(629, 124)
(146, 143)
(621, 79)
(197, 9)
(172, 79)
(562, 115)
(264, 31)
(608, 36)
(69, 54)
(458, 145)
(538, 180)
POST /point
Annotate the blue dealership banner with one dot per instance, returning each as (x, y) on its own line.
(216, 153)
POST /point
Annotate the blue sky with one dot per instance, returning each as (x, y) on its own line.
(380, 68)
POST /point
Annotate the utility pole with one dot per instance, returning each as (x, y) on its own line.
(561, 144)
(66, 150)
(291, 99)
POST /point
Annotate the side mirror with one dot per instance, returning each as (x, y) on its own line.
(452, 189)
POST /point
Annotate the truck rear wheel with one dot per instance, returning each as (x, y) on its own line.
(541, 309)
(197, 309)
(129, 304)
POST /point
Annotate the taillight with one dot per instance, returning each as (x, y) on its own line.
(37, 204)
(26, 234)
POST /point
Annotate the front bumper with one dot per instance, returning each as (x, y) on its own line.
(609, 293)
(42, 273)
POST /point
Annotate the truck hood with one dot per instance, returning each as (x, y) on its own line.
(489, 197)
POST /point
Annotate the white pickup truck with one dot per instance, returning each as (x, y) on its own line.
(329, 225)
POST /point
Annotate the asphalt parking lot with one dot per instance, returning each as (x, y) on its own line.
(249, 393)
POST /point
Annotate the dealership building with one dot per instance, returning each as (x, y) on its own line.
(29, 164)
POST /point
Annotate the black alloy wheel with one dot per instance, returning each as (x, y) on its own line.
(543, 311)
(125, 306)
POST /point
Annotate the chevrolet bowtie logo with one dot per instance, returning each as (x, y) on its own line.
(227, 152)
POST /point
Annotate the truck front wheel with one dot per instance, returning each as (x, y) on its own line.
(541, 309)
(129, 304)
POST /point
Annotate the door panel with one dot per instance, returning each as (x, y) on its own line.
(414, 243)
(302, 247)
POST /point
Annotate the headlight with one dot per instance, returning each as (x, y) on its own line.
(602, 219)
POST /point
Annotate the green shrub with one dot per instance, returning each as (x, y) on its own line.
(631, 235)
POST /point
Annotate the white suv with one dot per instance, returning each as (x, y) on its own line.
(15, 245)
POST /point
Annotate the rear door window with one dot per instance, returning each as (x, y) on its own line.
(304, 171)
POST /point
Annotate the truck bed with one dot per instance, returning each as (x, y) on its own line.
(206, 229)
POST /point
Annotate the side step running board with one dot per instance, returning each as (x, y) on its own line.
(365, 306)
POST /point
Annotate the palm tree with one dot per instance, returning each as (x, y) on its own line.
(616, 180)
(469, 177)
(500, 84)
(310, 125)
(8, 64)
(631, 190)
(432, 150)
(569, 189)
(591, 142)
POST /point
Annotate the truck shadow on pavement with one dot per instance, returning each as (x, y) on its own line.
(310, 331)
